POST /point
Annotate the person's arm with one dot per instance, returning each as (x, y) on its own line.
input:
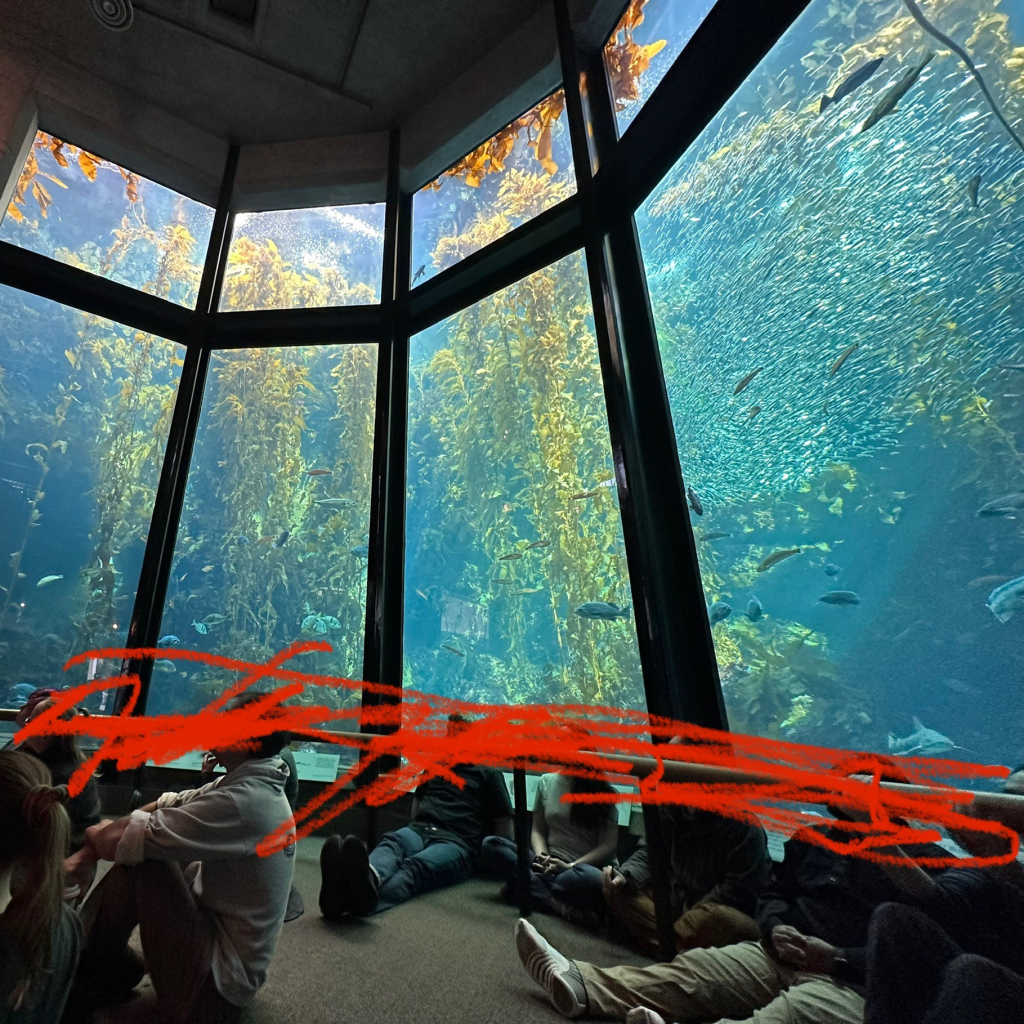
(504, 827)
(539, 828)
(912, 880)
(745, 870)
(782, 888)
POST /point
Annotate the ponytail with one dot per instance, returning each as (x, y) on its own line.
(34, 834)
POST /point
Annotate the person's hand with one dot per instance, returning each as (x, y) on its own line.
(802, 952)
(101, 839)
(209, 763)
(612, 881)
(540, 861)
(80, 869)
(555, 865)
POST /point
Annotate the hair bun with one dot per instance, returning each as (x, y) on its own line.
(38, 801)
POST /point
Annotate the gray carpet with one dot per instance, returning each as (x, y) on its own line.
(443, 958)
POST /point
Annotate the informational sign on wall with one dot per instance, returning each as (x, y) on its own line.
(532, 781)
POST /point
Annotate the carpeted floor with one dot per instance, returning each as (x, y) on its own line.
(442, 958)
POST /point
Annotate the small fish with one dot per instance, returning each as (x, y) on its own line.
(420, 271)
(1008, 505)
(972, 190)
(527, 590)
(455, 645)
(753, 411)
(777, 556)
(845, 597)
(838, 364)
(714, 535)
(361, 551)
(510, 557)
(754, 609)
(745, 381)
(502, 581)
(1006, 600)
(208, 568)
(1010, 366)
(832, 570)
(336, 502)
(718, 612)
(537, 544)
(419, 593)
(922, 742)
(242, 540)
(164, 665)
(200, 627)
(887, 104)
(215, 618)
(853, 81)
(47, 579)
(988, 581)
(283, 539)
(319, 472)
(602, 610)
(170, 640)
(267, 540)
(583, 495)
(694, 499)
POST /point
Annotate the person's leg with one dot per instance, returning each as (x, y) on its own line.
(177, 937)
(976, 990)
(907, 955)
(577, 895)
(714, 924)
(393, 850)
(436, 865)
(498, 859)
(631, 921)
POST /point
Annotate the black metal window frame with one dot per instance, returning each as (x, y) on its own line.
(614, 176)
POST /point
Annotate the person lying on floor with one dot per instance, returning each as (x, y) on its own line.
(570, 842)
(208, 907)
(806, 969)
(40, 936)
(436, 849)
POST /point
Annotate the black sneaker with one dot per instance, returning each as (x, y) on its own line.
(335, 895)
(362, 880)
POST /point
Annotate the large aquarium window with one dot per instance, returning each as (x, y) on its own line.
(300, 259)
(645, 44)
(98, 216)
(273, 541)
(835, 271)
(520, 172)
(85, 409)
(517, 589)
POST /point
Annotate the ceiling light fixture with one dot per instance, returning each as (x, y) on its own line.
(113, 14)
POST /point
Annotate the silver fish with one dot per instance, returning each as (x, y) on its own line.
(1008, 505)
(1006, 600)
(887, 104)
(922, 742)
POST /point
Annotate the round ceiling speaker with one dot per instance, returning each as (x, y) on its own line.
(113, 14)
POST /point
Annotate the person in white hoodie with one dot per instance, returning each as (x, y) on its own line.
(208, 907)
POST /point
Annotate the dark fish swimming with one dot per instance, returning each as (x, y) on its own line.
(170, 640)
(853, 81)
(602, 610)
(972, 190)
(694, 498)
(715, 535)
(420, 271)
(361, 551)
(1008, 505)
(844, 597)
(283, 539)
(832, 570)
(754, 609)
(887, 104)
(753, 411)
(846, 353)
(719, 611)
(455, 645)
(746, 380)
(777, 556)
(242, 540)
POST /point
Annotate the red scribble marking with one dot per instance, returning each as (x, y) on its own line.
(539, 738)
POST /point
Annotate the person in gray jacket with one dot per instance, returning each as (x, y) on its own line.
(208, 907)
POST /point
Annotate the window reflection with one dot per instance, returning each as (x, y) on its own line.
(832, 286)
(517, 589)
(103, 218)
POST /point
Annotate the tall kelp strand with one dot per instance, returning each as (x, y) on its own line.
(833, 266)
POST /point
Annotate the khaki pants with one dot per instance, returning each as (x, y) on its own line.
(631, 921)
(739, 983)
(177, 938)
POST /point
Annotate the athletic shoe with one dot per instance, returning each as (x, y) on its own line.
(642, 1015)
(335, 895)
(556, 974)
(361, 878)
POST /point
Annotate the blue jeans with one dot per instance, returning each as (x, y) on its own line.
(409, 864)
(578, 887)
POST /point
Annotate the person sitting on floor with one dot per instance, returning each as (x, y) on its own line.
(40, 936)
(436, 849)
(814, 920)
(570, 842)
(209, 931)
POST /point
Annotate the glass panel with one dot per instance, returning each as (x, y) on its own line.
(523, 170)
(301, 259)
(834, 284)
(516, 583)
(85, 408)
(100, 217)
(272, 546)
(644, 45)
